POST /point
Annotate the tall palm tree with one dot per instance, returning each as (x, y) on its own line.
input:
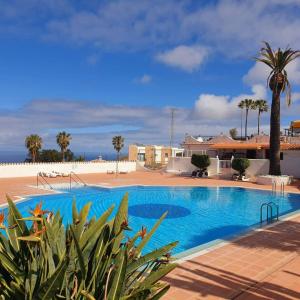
(247, 104)
(63, 140)
(277, 60)
(33, 143)
(118, 143)
(262, 106)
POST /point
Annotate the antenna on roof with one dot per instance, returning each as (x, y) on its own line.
(172, 127)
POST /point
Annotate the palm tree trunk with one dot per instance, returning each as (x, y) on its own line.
(63, 154)
(258, 122)
(33, 156)
(275, 135)
(246, 123)
(117, 165)
(241, 123)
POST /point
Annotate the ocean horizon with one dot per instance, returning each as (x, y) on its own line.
(20, 156)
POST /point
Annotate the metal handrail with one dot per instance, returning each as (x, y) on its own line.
(274, 186)
(261, 211)
(271, 203)
(77, 179)
(270, 206)
(38, 176)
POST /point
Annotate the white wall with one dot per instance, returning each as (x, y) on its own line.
(31, 169)
(290, 165)
(257, 167)
(183, 165)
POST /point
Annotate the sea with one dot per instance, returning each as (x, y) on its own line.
(20, 156)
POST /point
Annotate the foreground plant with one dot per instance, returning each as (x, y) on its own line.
(87, 260)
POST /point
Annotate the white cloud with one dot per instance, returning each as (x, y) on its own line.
(260, 72)
(236, 28)
(92, 125)
(216, 107)
(223, 109)
(232, 27)
(145, 79)
(187, 58)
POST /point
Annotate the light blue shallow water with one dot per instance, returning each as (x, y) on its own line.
(197, 215)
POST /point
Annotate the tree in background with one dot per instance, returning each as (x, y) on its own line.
(118, 143)
(233, 133)
(52, 155)
(277, 60)
(201, 161)
(247, 104)
(33, 143)
(63, 140)
(240, 165)
(262, 106)
(80, 158)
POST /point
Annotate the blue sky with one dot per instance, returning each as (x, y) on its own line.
(101, 68)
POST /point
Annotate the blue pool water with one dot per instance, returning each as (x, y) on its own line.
(197, 215)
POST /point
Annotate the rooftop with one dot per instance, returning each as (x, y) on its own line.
(257, 142)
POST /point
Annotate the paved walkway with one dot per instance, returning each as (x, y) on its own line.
(262, 265)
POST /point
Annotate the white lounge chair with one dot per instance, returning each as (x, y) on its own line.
(62, 174)
(110, 172)
(48, 174)
(123, 172)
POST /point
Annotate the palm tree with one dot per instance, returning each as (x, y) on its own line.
(118, 143)
(33, 143)
(262, 106)
(247, 104)
(278, 82)
(63, 140)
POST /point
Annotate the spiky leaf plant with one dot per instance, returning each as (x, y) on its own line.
(90, 259)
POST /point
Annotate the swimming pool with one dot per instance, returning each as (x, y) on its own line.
(196, 215)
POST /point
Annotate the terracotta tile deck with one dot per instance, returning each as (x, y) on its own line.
(262, 265)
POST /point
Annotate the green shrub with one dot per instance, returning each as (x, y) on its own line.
(200, 161)
(86, 260)
(240, 165)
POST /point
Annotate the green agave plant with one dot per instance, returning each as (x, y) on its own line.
(87, 260)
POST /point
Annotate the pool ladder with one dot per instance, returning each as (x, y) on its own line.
(269, 206)
(74, 177)
(274, 187)
(42, 180)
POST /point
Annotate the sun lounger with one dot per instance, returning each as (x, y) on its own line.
(110, 172)
(123, 172)
(62, 174)
(48, 174)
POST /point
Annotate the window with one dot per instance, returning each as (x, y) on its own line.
(141, 156)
